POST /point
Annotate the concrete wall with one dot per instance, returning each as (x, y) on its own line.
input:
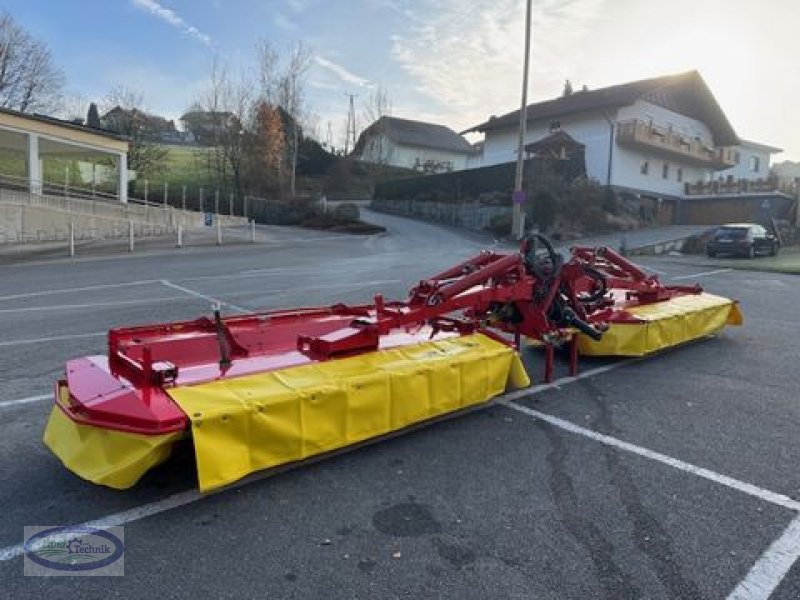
(21, 224)
(756, 208)
(471, 215)
(28, 217)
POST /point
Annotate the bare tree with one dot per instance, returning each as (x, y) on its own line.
(126, 116)
(226, 110)
(378, 105)
(29, 79)
(267, 67)
(292, 96)
(282, 82)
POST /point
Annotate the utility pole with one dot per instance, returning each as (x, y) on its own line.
(518, 215)
(351, 125)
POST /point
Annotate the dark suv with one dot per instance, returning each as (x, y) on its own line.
(744, 239)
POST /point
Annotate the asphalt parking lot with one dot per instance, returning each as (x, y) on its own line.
(671, 477)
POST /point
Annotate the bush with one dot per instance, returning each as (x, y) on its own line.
(347, 211)
(500, 224)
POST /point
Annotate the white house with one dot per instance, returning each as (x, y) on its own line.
(425, 147)
(657, 141)
(650, 136)
(753, 161)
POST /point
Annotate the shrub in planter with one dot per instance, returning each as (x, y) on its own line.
(347, 212)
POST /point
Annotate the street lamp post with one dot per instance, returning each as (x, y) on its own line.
(518, 214)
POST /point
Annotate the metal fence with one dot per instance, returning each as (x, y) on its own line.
(29, 218)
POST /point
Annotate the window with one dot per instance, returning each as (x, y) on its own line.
(679, 174)
(555, 126)
(754, 164)
(665, 171)
(644, 169)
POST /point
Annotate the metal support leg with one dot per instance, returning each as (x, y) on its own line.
(573, 355)
(549, 356)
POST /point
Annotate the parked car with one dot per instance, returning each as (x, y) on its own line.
(743, 239)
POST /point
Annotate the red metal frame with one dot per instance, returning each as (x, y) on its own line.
(497, 294)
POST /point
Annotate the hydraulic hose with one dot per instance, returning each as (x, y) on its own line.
(571, 319)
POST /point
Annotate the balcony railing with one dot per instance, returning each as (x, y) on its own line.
(735, 186)
(645, 135)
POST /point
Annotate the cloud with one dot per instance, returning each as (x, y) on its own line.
(341, 72)
(172, 18)
(283, 21)
(470, 61)
(298, 6)
(398, 7)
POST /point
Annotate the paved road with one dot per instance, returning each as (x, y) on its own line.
(537, 499)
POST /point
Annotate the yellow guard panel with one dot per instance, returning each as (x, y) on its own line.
(105, 456)
(246, 424)
(664, 324)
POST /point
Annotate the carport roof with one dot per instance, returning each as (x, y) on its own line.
(62, 130)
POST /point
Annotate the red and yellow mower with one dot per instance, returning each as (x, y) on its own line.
(270, 388)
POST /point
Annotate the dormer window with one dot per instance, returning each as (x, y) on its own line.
(555, 126)
(644, 168)
(755, 164)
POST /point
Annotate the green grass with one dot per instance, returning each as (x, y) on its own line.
(184, 166)
(788, 261)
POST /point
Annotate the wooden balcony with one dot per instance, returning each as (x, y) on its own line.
(639, 134)
(734, 186)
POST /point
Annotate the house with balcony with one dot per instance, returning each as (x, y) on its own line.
(653, 141)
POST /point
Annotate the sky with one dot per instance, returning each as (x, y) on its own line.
(454, 62)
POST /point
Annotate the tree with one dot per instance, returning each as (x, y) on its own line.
(378, 105)
(125, 115)
(291, 97)
(282, 79)
(29, 79)
(267, 151)
(93, 117)
(225, 109)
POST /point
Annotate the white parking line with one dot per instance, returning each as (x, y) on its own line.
(701, 274)
(766, 575)
(79, 289)
(121, 518)
(180, 288)
(730, 482)
(28, 400)
(90, 305)
(55, 338)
